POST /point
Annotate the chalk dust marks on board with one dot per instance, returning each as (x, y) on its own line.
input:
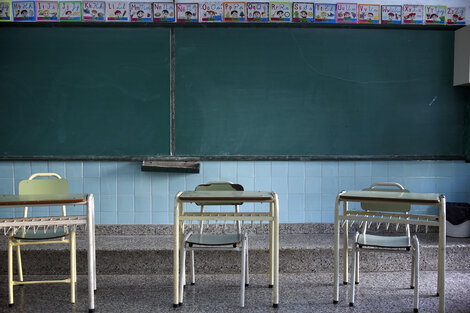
(432, 101)
(309, 63)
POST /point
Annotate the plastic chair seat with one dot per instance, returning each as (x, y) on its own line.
(395, 242)
(40, 234)
(214, 240)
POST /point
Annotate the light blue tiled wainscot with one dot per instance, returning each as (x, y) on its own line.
(307, 190)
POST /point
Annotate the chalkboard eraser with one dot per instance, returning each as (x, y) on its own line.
(170, 166)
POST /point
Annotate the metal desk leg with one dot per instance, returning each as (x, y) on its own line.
(345, 246)
(271, 247)
(91, 253)
(94, 241)
(442, 254)
(276, 252)
(176, 249)
(336, 252)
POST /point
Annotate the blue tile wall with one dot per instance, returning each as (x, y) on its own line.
(307, 190)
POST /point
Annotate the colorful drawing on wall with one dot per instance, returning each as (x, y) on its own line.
(346, 13)
(435, 14)
(5, 11)
(93, 10)
(70, 11)
(325, 13)
(413, 14)
(24, 11)
(211, 11)
(117, 11)
(47, 11)
(257, 11)
(280, 12)
(302, 12)
(234, 11)
(141, 11)
(391, 14)
(163, 12)
(369, 13)
(455, 16)
(187, 12)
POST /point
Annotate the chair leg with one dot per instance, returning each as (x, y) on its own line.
(73, 266)
(416, 273)
(193, 274)
(353, 274)
(413, 260)
(357, 267)
(247, 270)
(243, 273)
(20, 264)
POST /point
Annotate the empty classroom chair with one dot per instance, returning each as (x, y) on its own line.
(364, 242)
(60, 235)
(215, 242)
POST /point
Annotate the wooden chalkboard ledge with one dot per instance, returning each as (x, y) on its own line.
(168, 166)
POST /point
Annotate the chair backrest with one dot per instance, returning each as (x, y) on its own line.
(32, 186)
(386, 207)
(219, 186)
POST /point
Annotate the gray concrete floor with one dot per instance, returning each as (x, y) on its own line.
(299, 292)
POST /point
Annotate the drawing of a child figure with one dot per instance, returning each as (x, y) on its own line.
(118, 14)
(24, 14)
(45, 14)
(140, 15)
(303, 14)
(211, 14)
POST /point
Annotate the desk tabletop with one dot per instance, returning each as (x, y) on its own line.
(43, 199)
(403, 197)
(192, 196)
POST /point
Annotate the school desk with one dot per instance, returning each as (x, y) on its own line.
(236, 196)
(38, 223)
(386, 218)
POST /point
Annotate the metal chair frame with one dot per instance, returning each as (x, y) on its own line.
(192, 242)
(380, 243)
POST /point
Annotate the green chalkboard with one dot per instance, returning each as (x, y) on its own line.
(317, 91)
(84, 91)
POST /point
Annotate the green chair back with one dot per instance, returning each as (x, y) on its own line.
(386, 207)
(43, 186)
(219, 186)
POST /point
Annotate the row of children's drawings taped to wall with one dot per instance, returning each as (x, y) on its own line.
(230, 12)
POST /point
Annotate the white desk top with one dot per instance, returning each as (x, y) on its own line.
(403, 197)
